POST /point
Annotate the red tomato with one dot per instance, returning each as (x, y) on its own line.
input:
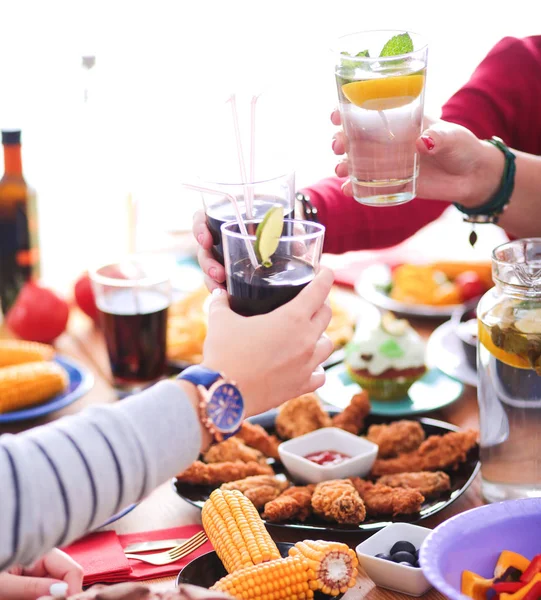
(470, 285)
(84, 296)
(38, 314)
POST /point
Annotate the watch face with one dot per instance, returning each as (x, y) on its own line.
(225, 407)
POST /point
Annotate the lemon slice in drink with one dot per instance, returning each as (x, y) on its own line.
(268, 235)
(513, 360)
(384, 93)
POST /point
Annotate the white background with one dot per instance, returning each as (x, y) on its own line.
(156, 97)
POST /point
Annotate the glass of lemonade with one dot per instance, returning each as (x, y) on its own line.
(380, 76)
(264, 194)
(259, 289)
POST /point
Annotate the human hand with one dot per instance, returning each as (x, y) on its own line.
(272, 357)
(451, 158)
(29, 583)
(214, 271)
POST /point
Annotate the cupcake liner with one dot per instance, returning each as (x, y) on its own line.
(382, 388)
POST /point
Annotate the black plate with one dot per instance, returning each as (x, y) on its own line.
(207, 569)
(460, 481)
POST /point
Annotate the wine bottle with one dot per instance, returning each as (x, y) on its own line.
(19, 253)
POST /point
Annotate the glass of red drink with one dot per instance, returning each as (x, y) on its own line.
(262, 195)
(133, 297)
(260, 289)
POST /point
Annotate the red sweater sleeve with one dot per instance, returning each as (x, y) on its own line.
(500, 99)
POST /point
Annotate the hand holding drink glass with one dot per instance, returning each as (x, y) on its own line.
(380, 77)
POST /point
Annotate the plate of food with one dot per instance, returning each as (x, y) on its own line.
(423, 465)
(245, 555)
(446, 351)
(387, 359)
(187, 325)
(22, 364)
(424, 290)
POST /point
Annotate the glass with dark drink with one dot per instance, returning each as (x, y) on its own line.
(260, 287)
(133, 298)
(259, 196)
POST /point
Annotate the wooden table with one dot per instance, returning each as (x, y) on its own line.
(163, 508)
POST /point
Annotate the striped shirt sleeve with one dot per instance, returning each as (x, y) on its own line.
(63, 479)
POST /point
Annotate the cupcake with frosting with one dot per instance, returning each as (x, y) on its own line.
(387, 359)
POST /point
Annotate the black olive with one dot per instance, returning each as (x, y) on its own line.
(406, 564)
(402, 546)
(383, 556)
(402, 556)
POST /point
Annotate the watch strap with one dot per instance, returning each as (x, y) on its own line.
(200, 376)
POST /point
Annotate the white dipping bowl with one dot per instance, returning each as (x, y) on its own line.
(388, 574)
(362, 452)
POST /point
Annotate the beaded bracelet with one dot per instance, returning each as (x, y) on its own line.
(492, 209)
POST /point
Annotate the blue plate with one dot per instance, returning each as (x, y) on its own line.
(432, 392)
(80, 382)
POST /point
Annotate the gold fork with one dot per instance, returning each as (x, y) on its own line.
(170, 556)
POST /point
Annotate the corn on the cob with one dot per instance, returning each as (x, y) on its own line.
(334, 564)
(283, 579)
(236, 530)
(30, 383)
(15, 352)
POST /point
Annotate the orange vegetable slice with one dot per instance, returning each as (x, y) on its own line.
(385, 92)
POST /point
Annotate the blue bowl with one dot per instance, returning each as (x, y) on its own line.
(474, 539)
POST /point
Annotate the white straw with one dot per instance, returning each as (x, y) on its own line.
(240, 153)
(250, 199)
(240, 220)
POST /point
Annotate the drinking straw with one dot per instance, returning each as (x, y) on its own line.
(252, 145)
(240, 155)
(240, 221)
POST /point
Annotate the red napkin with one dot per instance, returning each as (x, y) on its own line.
(102, 555)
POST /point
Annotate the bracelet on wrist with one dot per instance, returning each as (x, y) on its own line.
(490, 211)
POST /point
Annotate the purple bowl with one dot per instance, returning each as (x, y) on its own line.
(474, 539)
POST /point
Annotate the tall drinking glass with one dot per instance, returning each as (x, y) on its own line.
(509, 369)
(381, 106)
(262, 195)
(256, 289)
(133, 297)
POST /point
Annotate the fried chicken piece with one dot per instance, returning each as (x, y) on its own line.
(430, 484)
(301, 415)
(199, 473)
(397, 437)
(260, 489)
(352, 417)
(294, 503)
(435, 453)
(384, 500)
(232, 450)
(256, 437)
(338, 500)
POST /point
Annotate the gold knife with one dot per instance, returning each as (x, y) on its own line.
(157, 545)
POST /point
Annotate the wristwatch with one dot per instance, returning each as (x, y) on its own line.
(221, 406)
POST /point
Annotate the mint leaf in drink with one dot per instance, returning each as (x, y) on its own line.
(346, 63)
(398, 44)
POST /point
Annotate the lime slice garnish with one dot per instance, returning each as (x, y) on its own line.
(268, 235)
